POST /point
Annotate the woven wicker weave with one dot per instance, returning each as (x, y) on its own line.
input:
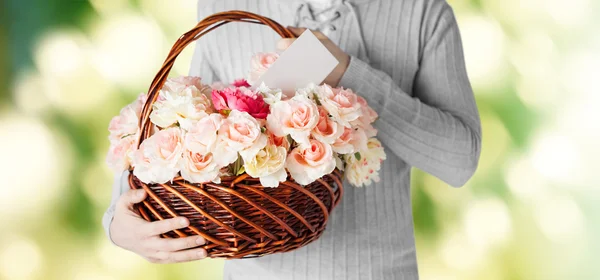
(239, 218)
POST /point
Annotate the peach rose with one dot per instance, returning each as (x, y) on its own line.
(296, 117)
(278, 141)
(342, 104)
(327, 130)
(157, 160)
(239, 133)
(351, 141)
(268, 165)
(307, 163)
(120, 153)
(259, 65)
(202, 135)
(198, 168)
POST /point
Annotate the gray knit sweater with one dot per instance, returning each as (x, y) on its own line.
(407, 62)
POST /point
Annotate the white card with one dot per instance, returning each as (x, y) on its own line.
(305, 61)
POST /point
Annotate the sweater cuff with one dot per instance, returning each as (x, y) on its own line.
(107, 220)
(354, 74)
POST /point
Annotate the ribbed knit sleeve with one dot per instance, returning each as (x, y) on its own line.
(437, 129)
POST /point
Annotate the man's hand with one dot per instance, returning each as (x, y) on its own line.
(336, 75)
(129, 231)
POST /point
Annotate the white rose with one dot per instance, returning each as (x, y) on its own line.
(270, 96)
(182, 100)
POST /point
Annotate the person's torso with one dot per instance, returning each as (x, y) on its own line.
(370, 234)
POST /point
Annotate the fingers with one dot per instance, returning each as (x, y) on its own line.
(296, 30)
(283, 44)
(299, 30)
(164, 226)
(181, 256)
(131, 197)
(176, 244)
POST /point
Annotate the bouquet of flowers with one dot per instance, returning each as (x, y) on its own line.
(203, 133)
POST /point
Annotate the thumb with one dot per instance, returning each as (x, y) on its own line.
(132, 197)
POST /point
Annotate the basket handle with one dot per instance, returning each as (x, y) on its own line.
(203, 27)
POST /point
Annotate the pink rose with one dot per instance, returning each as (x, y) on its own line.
(367, 112)
(157, 160)
(241, 83)
(307, 163)
(202, 136)
(241, 99)
(342, 104)
(296, 117)
(259, 65)
(351, 141)
(120, 153)
(326, 130)
(365, 121)
(197, 168)
(239, 133)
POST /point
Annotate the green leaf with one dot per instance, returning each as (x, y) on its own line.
(240, 171)
(357, 156)
(263, 129)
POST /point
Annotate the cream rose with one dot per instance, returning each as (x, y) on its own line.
(202, 136)
(307, 163)
(157, 159)
(239, 133)
(342, 104)
(268, 165)
(364, 169)
(351, 141)
(198, 168)
(327, 130)
(295, 117)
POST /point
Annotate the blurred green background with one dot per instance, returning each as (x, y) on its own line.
(530, 212)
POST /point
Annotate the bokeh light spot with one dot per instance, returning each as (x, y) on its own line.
(20, 259)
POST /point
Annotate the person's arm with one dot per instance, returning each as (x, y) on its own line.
(119, 187)
(438, 130)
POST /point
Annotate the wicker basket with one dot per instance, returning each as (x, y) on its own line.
(239, 218)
